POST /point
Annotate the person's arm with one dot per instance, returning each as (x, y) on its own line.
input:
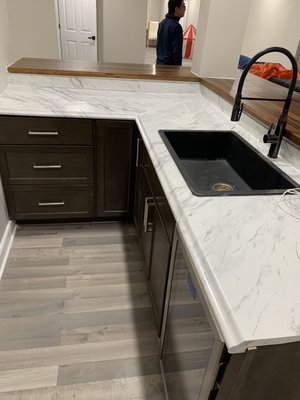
(177, 45)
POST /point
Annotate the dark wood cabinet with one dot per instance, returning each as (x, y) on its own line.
(47, 167)
(159, 267)
(159, 196)
(115, 159)
(46, 164)
(148, 210)
(138, 192)
(67, 168)
(45, 130)
(155, 225)
(267, 372)
(49, 202)
(191, 347)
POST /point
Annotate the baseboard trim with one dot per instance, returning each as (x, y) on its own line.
(6, 243)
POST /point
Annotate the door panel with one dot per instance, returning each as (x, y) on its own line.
(148, 211)
(87, 51)
(78, 24)
(29, 202)
(116, 147)
(188, 338)
(46, 165)
(69, 12)
(159, 268)
(71, 50)
(138, 208)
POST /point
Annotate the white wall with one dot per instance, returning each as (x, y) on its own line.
(5, 43)
(124, 30)
(4, 60)
(33, 28)
(192, 13)
(191, 16)
(220, 32)
(33, 32)
(164, 8)
(155, 10)
(272, 23)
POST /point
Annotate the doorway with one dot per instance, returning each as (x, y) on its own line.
(156, 12)
(78, 29)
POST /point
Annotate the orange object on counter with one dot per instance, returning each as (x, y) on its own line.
(270, 70)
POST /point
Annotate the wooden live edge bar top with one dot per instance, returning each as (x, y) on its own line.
(102, 70)
(266, 112)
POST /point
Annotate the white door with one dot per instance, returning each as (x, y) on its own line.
(78, 29)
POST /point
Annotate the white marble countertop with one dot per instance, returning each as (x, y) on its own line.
(245, 250)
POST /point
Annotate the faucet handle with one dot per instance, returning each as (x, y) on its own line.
(271, 130)
(237, 112)
(270, 137)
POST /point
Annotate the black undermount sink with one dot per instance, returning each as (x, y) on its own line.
(215, 163)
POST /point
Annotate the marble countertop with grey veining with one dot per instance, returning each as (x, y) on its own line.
(245, 249)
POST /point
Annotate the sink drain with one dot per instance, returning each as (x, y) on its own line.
(222, 187)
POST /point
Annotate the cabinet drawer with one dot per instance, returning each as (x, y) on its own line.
(160, 198)
(50, 202)
(41, 130)
(44, 165)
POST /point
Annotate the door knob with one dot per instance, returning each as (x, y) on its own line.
(92, 37)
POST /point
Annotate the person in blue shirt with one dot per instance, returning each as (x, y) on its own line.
(169, 35)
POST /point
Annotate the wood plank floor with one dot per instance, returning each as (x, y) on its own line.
(75, 316)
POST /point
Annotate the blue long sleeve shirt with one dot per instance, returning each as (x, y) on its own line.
(169, 41)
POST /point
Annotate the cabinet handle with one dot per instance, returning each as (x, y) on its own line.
(55, 203)
(149, 201)
(137, 152)
(33, 133)
(219, 377)
(50, 166)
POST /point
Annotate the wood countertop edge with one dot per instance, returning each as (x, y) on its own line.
(105, 69)
(101, 74)
(260, 112)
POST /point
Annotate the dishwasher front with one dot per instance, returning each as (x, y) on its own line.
(191, 352)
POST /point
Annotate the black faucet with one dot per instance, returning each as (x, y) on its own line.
(274, 138)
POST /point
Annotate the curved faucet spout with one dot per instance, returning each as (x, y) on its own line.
(276, 137)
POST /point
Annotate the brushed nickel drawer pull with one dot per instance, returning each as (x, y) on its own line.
(149, 202)
(137, 152)
(50, 166)
(33, 133)
(55, 203)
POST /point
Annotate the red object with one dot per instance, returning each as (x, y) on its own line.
(189, 37)
(270, 70)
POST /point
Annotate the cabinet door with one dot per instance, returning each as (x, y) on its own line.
(138, 193)
(159, 195)
(148, 210)
(159, 268)
(190, 354)
(116, 150)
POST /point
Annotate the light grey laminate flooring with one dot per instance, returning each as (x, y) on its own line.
(75, 316)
